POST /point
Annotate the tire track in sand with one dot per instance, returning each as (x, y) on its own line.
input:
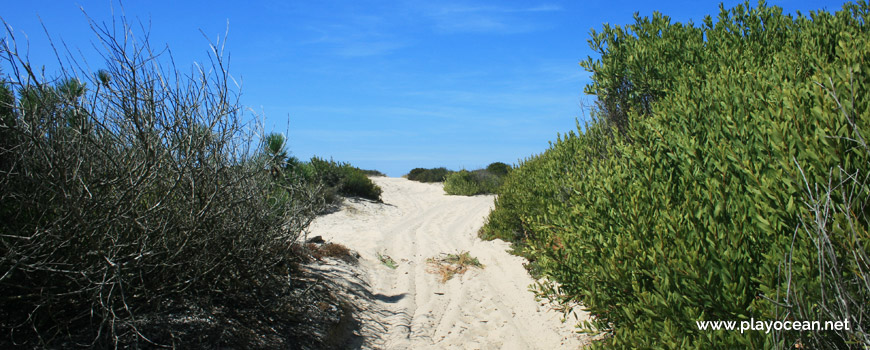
(488, 308)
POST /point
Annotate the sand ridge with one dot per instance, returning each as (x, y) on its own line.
(410, 308)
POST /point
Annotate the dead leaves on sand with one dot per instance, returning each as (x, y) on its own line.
(452, 264)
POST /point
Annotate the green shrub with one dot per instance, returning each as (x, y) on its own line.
(470, 183)
(428, 175)
(345, 179)
(721, 181)
(531, 188)
(356, 183)
(498, 169)
(462, 183)
(373, 173)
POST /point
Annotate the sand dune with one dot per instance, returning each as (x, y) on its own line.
(409, 307)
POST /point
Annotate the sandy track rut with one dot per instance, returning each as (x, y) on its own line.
(409, 308)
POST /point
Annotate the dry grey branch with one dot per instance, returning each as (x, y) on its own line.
(835, 224)
(131, 191)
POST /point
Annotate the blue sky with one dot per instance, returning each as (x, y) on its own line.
(387, 85)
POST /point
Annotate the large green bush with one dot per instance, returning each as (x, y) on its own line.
(724, 179)
(471, 183)
(498, 168)
(462, 183)
(480, 181)
(534, 186)
(428, 175)
(346, 179)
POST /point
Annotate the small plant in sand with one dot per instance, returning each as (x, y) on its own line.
(453, 264)
(388, 261)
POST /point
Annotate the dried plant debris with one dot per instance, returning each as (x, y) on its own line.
(332, 250)
(452, 264)
(388, 261)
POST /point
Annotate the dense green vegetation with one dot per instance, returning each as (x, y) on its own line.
(498, 169)
(470, 183)
(344, 178)
(376, 173)
(465, 182)
(334, 178)
(724, 177)
(135, 213)
(428, 175)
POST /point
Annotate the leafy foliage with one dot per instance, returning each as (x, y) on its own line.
(480, 181)
(275, 149)
(346, 179)
(470, 183)
(498, 169)
(724, 178)
(428, 175)
(373, 172)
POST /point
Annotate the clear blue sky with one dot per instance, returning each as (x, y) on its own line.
(388, 85)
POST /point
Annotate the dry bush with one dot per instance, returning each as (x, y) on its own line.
(452, 264)
(335, 250)
(132, 191)
(331, 250)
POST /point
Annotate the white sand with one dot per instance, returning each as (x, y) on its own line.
(408, 307)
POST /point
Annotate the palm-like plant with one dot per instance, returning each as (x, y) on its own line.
(276, 152)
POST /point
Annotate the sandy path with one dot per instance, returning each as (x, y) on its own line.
(410, 308)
